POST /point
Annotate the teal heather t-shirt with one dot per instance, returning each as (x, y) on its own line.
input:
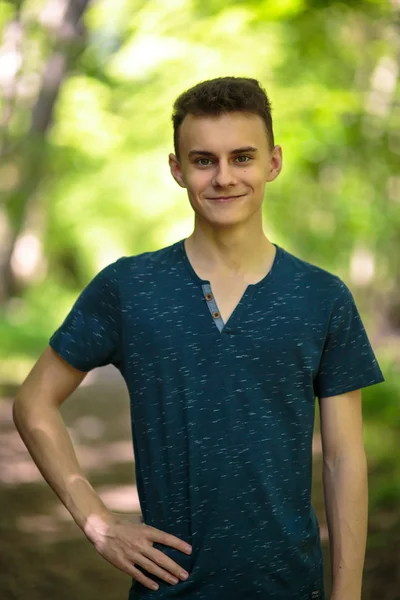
(222, 415)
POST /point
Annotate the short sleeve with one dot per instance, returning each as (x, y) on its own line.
(348, 361)
(90, 335)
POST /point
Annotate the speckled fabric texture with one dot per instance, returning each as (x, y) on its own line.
(223, 414)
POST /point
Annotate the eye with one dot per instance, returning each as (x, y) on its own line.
(197, 162)
(245, 156)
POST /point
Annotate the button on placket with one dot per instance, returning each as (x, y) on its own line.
(212, 305)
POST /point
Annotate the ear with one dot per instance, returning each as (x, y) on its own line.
(175, 169)
(275, 164)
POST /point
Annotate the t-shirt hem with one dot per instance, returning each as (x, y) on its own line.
(351, 387)
(66, 356)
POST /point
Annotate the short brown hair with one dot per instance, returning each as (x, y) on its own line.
(223, 95)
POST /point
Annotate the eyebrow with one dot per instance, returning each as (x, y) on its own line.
(235, 151)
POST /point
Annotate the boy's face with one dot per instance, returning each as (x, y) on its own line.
(211, 167)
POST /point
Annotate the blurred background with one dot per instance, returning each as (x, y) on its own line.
(85, 131)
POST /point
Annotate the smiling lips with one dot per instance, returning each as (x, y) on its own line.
(226, 197)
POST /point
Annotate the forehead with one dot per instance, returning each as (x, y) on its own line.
(221, 133)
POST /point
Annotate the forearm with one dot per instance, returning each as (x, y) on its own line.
(46, 437)
(346, 504)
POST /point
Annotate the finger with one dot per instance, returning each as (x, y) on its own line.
(169, 540)
(150, 566)
(138, 575)
(161, 559)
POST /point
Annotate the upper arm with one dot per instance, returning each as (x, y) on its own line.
(341, 425)
(347, 360)
(90, 335)
(50, 381)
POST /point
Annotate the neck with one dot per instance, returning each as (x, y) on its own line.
(224, 252)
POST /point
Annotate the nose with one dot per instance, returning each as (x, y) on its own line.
(224, 176)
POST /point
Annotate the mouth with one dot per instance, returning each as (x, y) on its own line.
(225, 198)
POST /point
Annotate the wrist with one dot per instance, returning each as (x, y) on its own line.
(85, 506)
(98, 526)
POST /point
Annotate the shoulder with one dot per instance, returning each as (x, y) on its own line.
(146, 264)
(318, 281)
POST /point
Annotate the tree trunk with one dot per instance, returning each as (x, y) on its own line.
(22, 221)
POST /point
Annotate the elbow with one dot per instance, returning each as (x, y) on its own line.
(356, 459)
(19, 414)
(23, 413)
(17, 409)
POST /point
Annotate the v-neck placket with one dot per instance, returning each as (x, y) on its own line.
(210, 299)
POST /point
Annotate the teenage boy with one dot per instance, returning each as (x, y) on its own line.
(224, 340)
